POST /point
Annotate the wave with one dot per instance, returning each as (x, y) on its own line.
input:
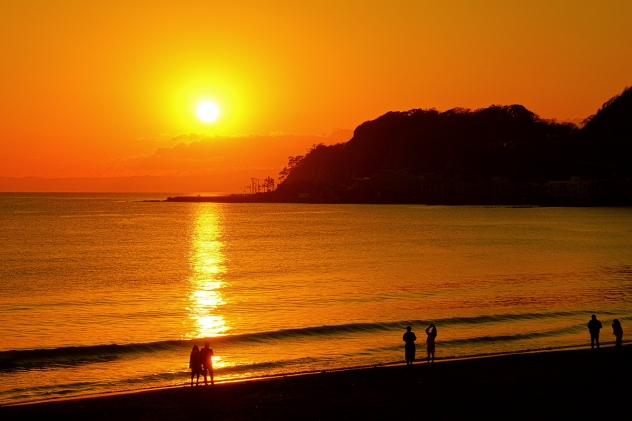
(75, 355)
(30, 359)
(28, 393)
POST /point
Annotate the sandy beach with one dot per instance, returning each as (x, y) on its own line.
(545, 385)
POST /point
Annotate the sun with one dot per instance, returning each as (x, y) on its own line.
(207, 111)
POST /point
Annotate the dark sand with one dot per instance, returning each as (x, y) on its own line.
(547, 385)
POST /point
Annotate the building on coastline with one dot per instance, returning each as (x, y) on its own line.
(593, 191)
(405, 186)
(574, 189)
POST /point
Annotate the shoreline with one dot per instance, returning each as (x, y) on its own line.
(421, 348)
(275, 197)
(555, 377)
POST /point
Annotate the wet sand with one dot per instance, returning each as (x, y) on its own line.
(546, 385)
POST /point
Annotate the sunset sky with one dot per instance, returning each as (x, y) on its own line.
(110, 89)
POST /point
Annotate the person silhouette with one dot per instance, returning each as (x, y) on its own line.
(594, 326)
(617, 331)
(431, 331)
(195, 364)
(409, 349)
(206, 357)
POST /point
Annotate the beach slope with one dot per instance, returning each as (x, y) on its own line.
(545, 385)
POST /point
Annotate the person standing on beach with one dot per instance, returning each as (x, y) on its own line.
(617, 331)
(431, 331)
(409, 349)
(195, 364)
(594, 326)
(206, 357)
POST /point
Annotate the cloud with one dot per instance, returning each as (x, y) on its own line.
(196, 154)
(222, 163)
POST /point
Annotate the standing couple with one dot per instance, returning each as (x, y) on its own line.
(201, 362)
(410, 338)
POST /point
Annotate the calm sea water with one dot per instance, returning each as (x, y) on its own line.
(103, 293)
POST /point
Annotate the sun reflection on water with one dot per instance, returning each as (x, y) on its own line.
(207, 261)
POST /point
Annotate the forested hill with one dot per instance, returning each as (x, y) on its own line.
(390, 158)
(606, 137)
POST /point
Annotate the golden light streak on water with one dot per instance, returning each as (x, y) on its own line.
(207, 261)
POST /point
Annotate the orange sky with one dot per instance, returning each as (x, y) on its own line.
(107, 89)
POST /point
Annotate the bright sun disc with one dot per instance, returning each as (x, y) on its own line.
(207, 111)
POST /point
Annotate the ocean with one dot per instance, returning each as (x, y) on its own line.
(104, 292)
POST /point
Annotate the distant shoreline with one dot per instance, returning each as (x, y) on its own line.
(273, 198)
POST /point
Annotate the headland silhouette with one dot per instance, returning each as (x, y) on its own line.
(504, 155)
